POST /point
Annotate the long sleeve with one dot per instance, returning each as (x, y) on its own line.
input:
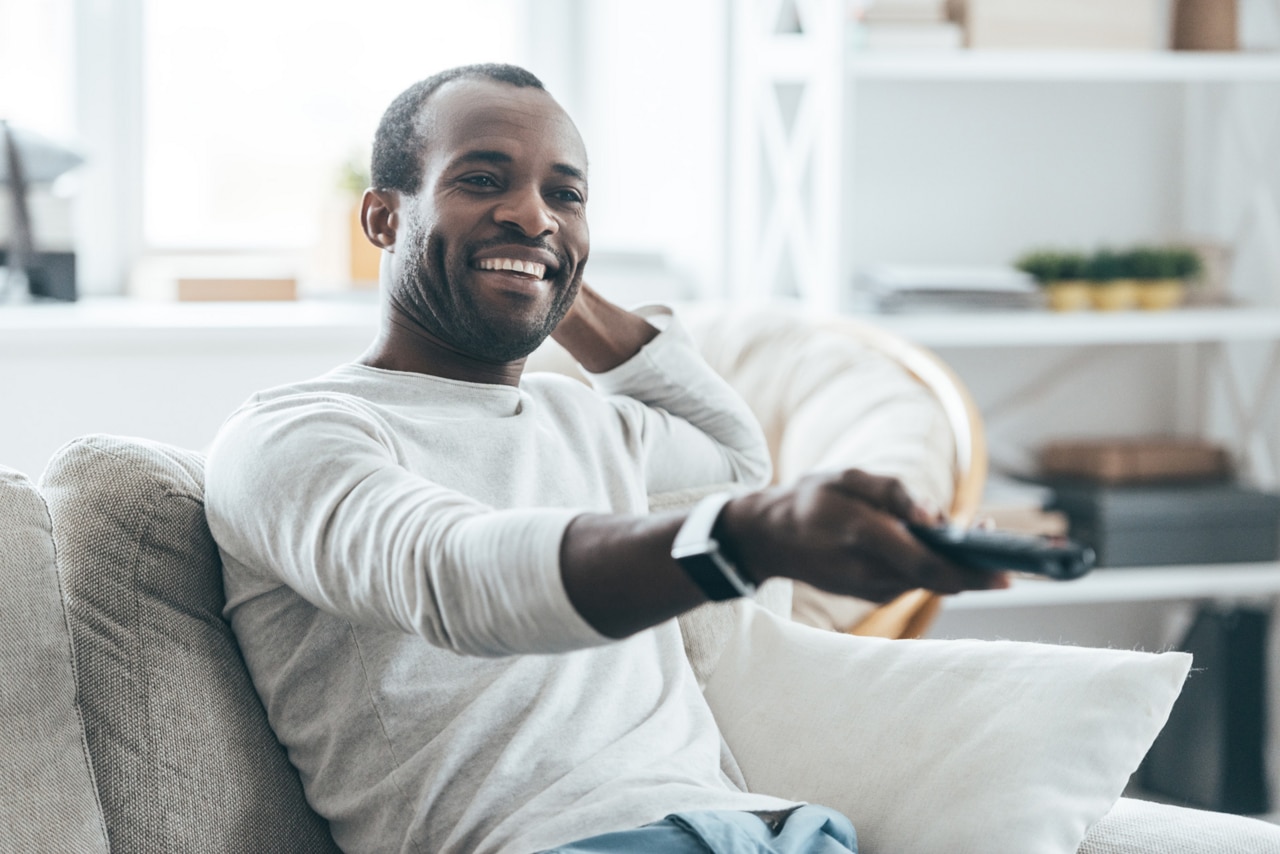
(693, 428)
(313, 495)
(391, 560)
(437, 508)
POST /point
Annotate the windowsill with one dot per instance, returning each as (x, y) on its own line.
(98, 321)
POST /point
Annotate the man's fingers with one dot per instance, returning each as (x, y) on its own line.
(884, 493)
(882, 544)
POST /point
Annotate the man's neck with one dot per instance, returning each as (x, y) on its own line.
(403, 345)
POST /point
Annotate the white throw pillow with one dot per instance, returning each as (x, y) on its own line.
(953, 747)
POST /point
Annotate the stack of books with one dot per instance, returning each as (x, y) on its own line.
(908, 25)
(897, 289)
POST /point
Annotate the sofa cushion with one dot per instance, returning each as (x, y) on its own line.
(941, 747)
(49, 801)
(184, 757)
(1141, 827)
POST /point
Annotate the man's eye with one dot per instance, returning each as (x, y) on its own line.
(480, 181)
(568, 196)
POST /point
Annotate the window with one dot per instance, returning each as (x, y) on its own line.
(36, 69)
(253, 113)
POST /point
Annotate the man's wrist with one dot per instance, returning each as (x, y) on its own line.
(700, 555)
(731, 532)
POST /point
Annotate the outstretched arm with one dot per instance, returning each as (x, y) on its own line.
(843, 532)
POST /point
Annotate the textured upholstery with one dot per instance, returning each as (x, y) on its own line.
(47, 797)
(1141, 827)
(181, 748)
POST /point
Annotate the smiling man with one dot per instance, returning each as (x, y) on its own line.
(441, 571)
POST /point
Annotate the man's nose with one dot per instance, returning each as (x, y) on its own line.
(527, 211)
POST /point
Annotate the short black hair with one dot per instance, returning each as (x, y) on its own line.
(398, 143)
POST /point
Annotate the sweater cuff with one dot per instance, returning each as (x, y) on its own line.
(637, 372)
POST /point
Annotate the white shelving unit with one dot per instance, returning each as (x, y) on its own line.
(1107, 66)
(1047, 329)
(795, 106)
(1138, 584)
(797, 121)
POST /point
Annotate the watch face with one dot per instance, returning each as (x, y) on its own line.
(706, 573)
(699, 555)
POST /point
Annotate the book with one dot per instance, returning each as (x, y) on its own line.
(896, 288)
(909, 11)
(889, 36)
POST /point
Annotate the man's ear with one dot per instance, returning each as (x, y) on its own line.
(380, 217)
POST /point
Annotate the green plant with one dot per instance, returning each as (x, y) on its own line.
(1146, 262)
(1072, 266)
(354, 175)
(1184, 263)
(1042, 265)
(1105, 265)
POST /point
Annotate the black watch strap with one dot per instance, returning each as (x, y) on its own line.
(699, 555)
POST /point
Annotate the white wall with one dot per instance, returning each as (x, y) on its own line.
(653, 116)
(979, 172)
(173, 385)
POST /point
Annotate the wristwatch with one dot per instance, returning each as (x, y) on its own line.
(699, 554)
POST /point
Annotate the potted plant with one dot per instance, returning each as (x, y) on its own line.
(1114, 288)
(1059, 274)
(363, 256)
(1158, 287)
(1072, 291)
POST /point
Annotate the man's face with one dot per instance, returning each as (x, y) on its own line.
(490, 251)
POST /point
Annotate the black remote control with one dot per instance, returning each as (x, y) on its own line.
(978, 548)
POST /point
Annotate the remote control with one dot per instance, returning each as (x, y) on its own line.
(977, 548)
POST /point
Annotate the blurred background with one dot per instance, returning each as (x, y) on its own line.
(247, 131)
(1075, 203)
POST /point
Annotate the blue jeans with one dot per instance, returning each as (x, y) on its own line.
(806, 830)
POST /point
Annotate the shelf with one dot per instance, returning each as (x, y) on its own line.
(93, 323)
(1047, 329)
(1112, 66)
(1142, 584)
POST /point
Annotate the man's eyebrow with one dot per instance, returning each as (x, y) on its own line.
(481, 156)
(501, 157)
(571, 171)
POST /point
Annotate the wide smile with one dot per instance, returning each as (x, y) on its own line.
(527, 269)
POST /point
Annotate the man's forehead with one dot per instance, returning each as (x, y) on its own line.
(474, 113)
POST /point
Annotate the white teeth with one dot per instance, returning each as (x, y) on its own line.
(529, 268)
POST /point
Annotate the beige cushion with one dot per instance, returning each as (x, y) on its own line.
(941, 747)
(184, 758)
(47, 796)
(1140, 827)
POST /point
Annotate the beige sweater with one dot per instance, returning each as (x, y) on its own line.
(391, 545)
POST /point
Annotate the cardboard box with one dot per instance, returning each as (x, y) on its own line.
(1135, 460)
(1205, 25)
(214, 290)
(1150, 525)
(1067, 24)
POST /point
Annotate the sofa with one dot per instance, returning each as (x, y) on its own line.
(129, 723)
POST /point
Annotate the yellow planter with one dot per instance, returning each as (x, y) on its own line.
(364, 256)
(1160, 294)
(1115, 295)
(1069, 296)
